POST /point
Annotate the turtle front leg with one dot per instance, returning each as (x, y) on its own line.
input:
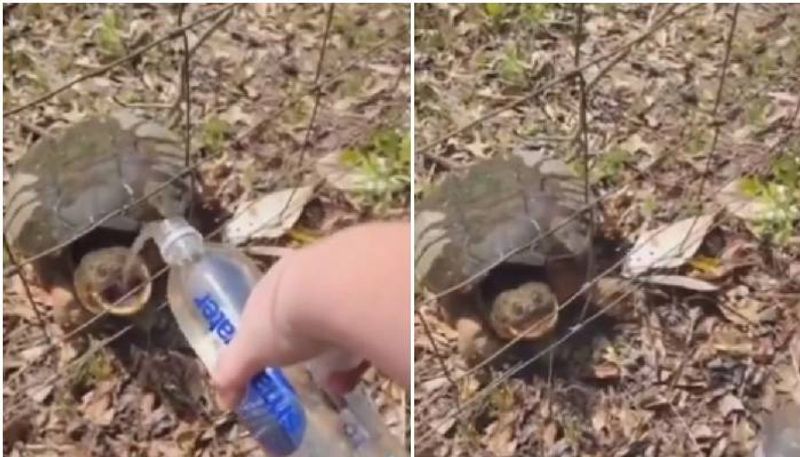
(476, 342)
(55, 280)
(616, 297)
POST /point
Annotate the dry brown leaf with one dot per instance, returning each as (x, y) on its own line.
(40, 393)
(98, 406)
(445, 426)
(501, 440)
(667, 247)
(33, 353)
(729, 404)
(435, 384)
(269, 216)
(729, 340)
(742, 309)
(684, 282)
(739, 204)
(549, 434)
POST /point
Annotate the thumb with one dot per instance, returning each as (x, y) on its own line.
(238, 362)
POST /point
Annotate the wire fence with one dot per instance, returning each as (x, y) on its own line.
(325, 77)
(430, 431)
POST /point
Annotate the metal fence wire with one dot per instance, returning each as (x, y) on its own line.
(327, 75)
(449, 412)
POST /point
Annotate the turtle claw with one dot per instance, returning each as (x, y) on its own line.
(475, 342)
(66, 312)
(102, 285)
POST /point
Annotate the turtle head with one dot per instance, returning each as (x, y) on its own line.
(530, 309)
(102, 284)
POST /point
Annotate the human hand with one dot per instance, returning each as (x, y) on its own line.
(349, 291)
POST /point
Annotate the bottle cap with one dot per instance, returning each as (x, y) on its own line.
(176, 239)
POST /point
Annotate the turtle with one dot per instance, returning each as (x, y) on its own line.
(72, 178)
(503, 243)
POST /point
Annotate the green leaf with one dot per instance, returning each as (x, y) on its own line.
(494, 10)
(351, 157)
(751, 187)
(405, 149)
(215, 130)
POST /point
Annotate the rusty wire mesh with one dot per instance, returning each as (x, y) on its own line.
(326, 77)
(462, 400)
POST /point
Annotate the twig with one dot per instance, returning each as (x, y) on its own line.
(121, 60)
(34, 129)
(186, 92)
(623, 54)
(141, 105)
(315, 109)
(717, 125)
(583, 141)
(317, 89)
(438, 355)
(189, 52)
(686, 428)
(448, 164)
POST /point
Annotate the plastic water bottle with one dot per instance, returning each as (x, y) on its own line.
(284, 409)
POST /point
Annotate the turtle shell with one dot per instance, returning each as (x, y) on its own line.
(69, 180)
(497, 208)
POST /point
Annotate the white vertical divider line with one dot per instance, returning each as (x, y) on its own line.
(412, 168)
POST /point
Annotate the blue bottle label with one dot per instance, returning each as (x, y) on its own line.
(270, 407)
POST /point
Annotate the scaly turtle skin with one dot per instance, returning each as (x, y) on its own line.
(466, 227)
(67, 181)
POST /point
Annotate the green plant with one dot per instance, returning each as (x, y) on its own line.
(780, 196)
(503, 399)
(757, 111)
(649, 206)
(92, 369)
(512, 70)
(532, 14)
(384, 168)
(215, 130)
(109, 35)
(495, 11)
(698, 142)
(611, 164)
